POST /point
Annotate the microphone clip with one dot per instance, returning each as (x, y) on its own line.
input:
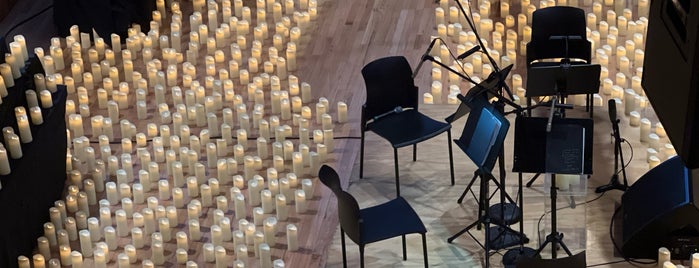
(396, 110)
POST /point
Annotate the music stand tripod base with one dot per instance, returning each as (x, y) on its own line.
(501, 237)
(512, 213)
(513, 256)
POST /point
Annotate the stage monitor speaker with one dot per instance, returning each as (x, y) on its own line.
(660, 211)
(671, 72)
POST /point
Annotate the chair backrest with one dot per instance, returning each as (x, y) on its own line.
(558, 21)
(389, 83)
(348, 208)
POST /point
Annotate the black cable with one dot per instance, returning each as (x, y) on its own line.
(26, 20)
(611, 236)
(251, 138)
(630, 158)
(605, 263)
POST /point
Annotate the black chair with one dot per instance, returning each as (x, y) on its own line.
(368, 225)
(391, 110)
(559, 33)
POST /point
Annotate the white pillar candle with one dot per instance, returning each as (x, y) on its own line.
(85, 243)
(270, 230)
(341, 112)
(650, 152)
(300, 200)
(240, 208)
(660, 130)
(64, 253)
(121, 223)
(157, 253)
(297, 163)
(15, 147)
(76, 259)
(663, 255)
(194, 232)
(635, 119)
(645, 129)
(6, 72)
(206, 195)
(267, 201)
(292, 237)
(4, 162)
(654, 141)
(281, 208)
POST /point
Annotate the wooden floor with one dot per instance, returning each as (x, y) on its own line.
(346, 36)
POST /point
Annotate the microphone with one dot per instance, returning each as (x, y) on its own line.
(396, 110)
(468, 52)
(425, 56)
(612, 110)
(553, 105)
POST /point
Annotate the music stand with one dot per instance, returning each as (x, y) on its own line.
(565, 79)
(561, 80)
(482, 139)
(567, 150)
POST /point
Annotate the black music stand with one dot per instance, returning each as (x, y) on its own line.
(482, 140)
(564, 79)
(567, 149)
(560, 81)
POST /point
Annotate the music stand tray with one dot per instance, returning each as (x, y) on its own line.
(567, 80)
(483, 137)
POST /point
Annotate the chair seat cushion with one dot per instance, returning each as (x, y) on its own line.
(407, 128)
(390, 219)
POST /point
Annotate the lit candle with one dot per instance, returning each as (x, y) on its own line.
(645, 129)
(194, 231)
(300, 199)
(297, 163)
(663, 255)
(635, 119)
(240, 208)
(15, 147)
(157, 253)
(85, 243)
(4, 162)
(76, 259)
(137, 237)
(64, 253)
(292, 237)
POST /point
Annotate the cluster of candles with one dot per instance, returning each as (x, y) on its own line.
(615, 29)
(118, 196)
(37, 100)
(665, 259)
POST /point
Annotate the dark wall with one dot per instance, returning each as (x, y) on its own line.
(37, 179)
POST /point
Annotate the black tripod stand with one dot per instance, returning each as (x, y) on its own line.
(614, 184)
(555, 238)
(482, 140)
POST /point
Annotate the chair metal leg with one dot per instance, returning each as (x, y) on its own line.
(344, 253)
(361, 157)
(361, 256)
(405, 254)
(451, 157)
(395, 164)
(424, 248)
(414, 152)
